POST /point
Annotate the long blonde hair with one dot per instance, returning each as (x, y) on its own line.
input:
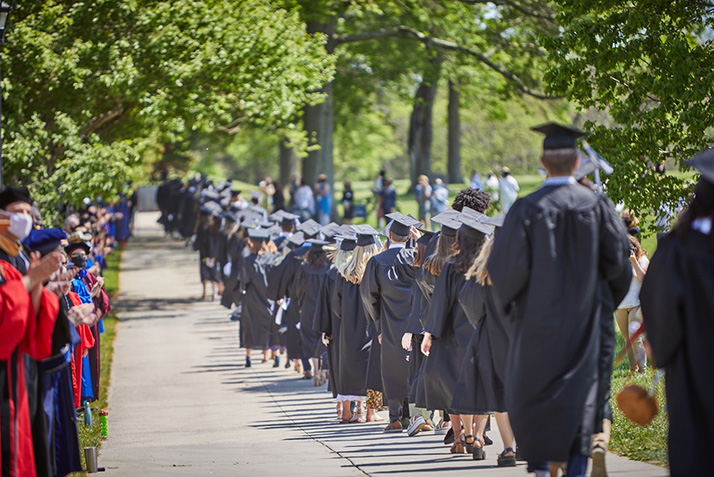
(340, 259)
(478, 269)
(354, 270)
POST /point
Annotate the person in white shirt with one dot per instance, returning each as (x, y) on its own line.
(508, 189)
(628, 311)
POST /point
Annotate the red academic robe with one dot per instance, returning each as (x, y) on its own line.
(22, 331)
(86, 343)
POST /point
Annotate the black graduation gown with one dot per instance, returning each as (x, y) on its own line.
(308, 281)
(451, 331)
(677, 300)
(257, 313)
(235, 252)
(283, 286)
(416, 328)
(386, 292)
(483, 370)
(328, 322)
(354, 339)
(552, 252)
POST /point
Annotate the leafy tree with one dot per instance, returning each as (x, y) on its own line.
(647, 64)
(94, 89)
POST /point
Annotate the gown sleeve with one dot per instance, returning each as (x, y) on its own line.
(662, 299)
(510, 261)
(472, 300)
(614, 251)
(441, 303)
(322, 321)
(370, 292)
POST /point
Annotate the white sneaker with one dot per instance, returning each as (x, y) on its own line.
(416, 425)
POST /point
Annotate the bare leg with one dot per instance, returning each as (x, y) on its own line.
(504, 428)
(623, 323)
(347, 411)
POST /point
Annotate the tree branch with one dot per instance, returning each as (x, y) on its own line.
(447, 45)
(526, 10)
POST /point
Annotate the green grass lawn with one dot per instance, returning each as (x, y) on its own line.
(647, 444)
(91, 436)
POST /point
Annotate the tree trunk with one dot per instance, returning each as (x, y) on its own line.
(421, 130)
(319, 120)
(288, 163)
(454, 167)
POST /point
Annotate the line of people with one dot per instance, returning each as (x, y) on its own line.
(511, 316)
(52, 301)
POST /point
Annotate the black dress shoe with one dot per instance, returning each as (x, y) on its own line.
(247, 362)
(449, 438)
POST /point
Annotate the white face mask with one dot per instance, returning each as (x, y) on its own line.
(20, 225)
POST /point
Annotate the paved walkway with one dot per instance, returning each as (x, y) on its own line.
(181, 402)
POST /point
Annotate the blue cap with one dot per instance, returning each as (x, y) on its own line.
(44, 240)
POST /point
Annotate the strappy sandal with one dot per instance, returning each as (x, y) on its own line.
(339, 411)
(505, 460)
(468, 446)
(458, 447)
(360, 416)
(477, 452)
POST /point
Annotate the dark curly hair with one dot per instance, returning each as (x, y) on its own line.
(472, 198)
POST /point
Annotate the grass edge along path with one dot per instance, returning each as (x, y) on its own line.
(92, 436)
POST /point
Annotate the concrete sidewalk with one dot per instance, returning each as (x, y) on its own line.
(181, 402)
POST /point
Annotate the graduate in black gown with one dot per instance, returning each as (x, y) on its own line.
(308, 281)
(257, 307)
(677, 299)
(330, 324)
(386, 292)
(555, 248)
(484, 368)
(283, 288)
(447, 332)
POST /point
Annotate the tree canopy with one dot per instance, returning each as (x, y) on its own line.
(94, 89)
(647, 65)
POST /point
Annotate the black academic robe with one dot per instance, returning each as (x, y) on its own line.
(257, 312)
(283, 286)
(308, 281)
(451, 331)
(236, 251)
(355, 338)
(386, 292)
(677, 300)
(328, 322)
(553, 251)
(483, 370)
(416, 328)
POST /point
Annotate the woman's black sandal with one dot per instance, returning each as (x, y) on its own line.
(507, 460)
(477, 452)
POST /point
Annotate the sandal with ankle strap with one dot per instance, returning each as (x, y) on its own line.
(468, 446)
(505, 460)
(477, 452)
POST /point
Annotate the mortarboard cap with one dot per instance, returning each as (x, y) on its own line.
(558, 136)
(310, 228)
(296, 239)
(474, 228)
(401, 224)
(330, 230)
(44, 240)
(259, 234)
(366, 235)
(449, 220)
(348, 243)
(10, 194)
(424, 239)
(496, 220)
(704, 163)
(289, 219)
(317, 245)
(210, 194)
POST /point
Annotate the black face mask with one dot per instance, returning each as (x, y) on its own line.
(79, 262)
